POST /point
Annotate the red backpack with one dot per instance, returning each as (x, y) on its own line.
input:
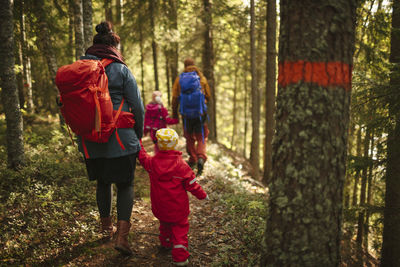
(86, 103)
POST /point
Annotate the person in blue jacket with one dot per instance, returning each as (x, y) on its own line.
(108, 162)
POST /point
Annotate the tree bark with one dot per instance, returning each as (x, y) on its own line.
(235, 89)
(391, 221)
(309, 149)
(255, 99)
(87, 23)
(78, 26)
(363, 192)
(154, 43)
(26, 62)
(108, 11)
(369, 191)
(71, 26)
(167, 73)
(119, 20)
(142, 62)
(245, 114)
(19, 75)
(171, 9)
(9, 94)
(270, 89)
(357, 174)
(174, 4)
(208, 68)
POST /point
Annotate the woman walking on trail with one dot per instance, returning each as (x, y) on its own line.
(109, 163)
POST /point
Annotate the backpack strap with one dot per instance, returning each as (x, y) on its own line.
(85, 151)
(106, 61)
(116, 130)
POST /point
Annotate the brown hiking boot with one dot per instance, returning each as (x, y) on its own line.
(200, 166)
(107, 227)
(121, 243)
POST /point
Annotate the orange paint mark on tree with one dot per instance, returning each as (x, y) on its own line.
(326, 74)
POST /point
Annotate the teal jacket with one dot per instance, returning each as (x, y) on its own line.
(121, 84)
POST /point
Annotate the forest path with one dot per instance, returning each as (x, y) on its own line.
(205, 235)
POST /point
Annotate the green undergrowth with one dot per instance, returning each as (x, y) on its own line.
(48, 212)
(48, 209)
(243, 201)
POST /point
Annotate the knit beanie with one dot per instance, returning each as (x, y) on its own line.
(167, 139)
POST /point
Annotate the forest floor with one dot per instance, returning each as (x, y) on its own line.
(48, 213)
(206, 236)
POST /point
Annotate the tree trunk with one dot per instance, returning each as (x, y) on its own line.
(44, 41)
(71, 26)
(26, 62)
(255, 99)
(119, 16)
(119, 20)
(172, 50)
(87, 23)
(154, 43)
(270, 89)
(19, 76)
(235, 89)
(391, 221)
(357, 175)
(167, 73)
(363, 191)
(108, 11)
(142, 62)
(9, 95)
(348, 179)
(369, 191)
(245, 114)
(309, 149)
(174, 4)
(208, 68)
(79, 38)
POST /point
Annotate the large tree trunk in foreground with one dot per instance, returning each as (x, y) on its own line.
(391, 229)
(9, 94)
(315, 64)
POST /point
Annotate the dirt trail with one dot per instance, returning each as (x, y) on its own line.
(205, 230)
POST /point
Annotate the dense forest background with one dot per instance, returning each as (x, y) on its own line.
(228, 41)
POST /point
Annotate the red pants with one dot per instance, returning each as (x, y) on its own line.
(175, 235)
(198, 150)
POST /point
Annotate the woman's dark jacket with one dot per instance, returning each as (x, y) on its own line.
(121, 84)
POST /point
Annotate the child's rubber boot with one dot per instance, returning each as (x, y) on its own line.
(182, 263)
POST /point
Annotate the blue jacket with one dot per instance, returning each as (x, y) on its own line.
(121, 84)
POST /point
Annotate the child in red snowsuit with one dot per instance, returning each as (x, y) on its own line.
(170, 179)
(156, 117)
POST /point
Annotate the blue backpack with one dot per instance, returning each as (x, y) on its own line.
(192, 100)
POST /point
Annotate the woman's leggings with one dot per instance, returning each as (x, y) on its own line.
(124, 200)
